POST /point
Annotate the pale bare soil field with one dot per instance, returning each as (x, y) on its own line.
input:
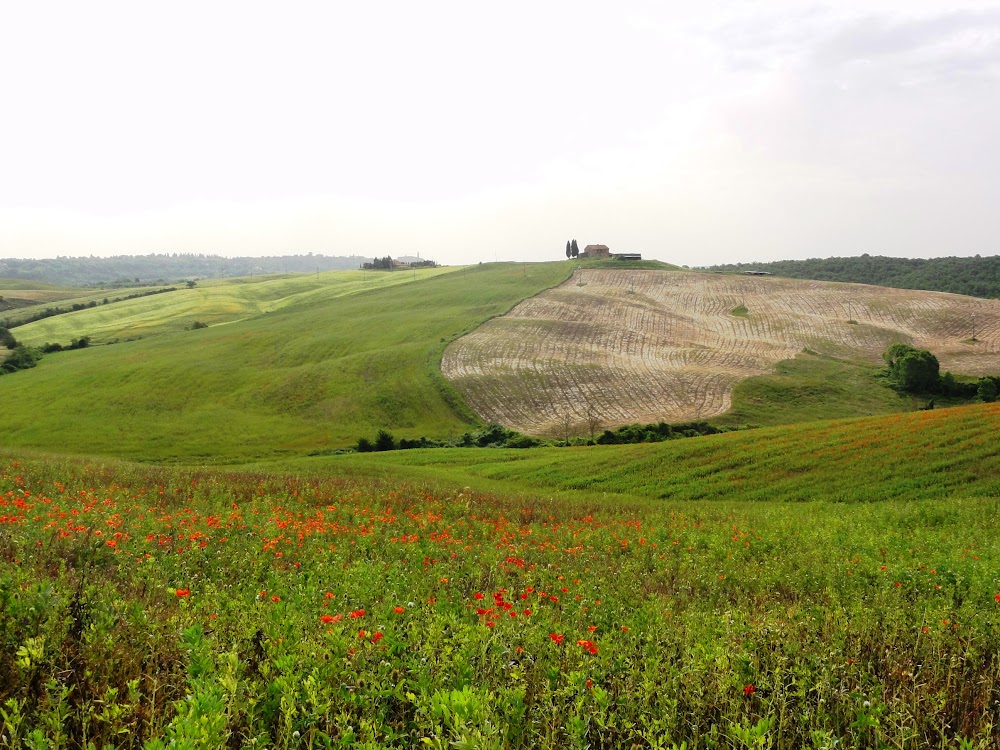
(644, 346)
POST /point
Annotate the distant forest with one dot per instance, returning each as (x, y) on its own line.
(977, 277)
(128, 270)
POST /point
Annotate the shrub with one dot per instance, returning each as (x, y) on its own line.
(21, 358)
(989, 388)
(913, 370)
(7, 339)
(384, 441)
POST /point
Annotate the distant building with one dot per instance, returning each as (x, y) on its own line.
(596, 251)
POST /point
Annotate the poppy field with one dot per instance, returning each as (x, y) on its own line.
(143, 607)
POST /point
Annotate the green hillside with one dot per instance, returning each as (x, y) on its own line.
(313, 370)
(920, 455)
(210, 302)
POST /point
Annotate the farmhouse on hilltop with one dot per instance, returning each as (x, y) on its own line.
(596, 251)
(603, 251)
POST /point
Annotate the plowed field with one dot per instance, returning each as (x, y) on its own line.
(643, 346)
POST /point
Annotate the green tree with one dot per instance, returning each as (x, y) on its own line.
(21, 358)
(384, 441)
(7, 339)
(569, 249)
(987, 390)
(913, 370)
(574, 248)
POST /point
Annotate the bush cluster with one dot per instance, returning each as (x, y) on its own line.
(7, 339)
(913, 370)
(21, 357)
(492, 436)
(81, 343)
(655, 433)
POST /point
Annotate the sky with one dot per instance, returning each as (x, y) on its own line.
(692, 132)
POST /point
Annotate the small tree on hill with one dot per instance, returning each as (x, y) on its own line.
(569, 250)
(574, 248)
(384, 441)
(913, 370)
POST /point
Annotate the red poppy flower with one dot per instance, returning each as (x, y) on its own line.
(357, 613)
(376, 637)
(328, 619)
(749, 690)
(183, 592)
(557, 637)
(399, 610)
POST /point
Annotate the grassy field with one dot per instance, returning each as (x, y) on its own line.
(946, 452)
(824, 585)
(813, 387)
(326, 362)
(16, 294)
(212, 301)
(147, 607)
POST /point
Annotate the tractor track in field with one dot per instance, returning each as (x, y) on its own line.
(623, 346)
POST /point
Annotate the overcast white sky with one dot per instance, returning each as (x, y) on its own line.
(693, 132)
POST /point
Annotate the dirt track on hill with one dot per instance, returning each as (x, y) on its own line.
(644, 346)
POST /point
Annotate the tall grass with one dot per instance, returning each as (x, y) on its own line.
(145, 607)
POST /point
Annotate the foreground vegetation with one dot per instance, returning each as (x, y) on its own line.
(146, 607)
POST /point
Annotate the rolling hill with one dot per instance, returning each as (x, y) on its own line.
(312, 368)
(613, 347)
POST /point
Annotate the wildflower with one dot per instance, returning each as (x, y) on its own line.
(997, 597)
(557, 638)
(328, 619)
(275, 599)
(183, 592)
(478, 595)
(399, 610)
(749, 690)
(357, 613)
(376, 637)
